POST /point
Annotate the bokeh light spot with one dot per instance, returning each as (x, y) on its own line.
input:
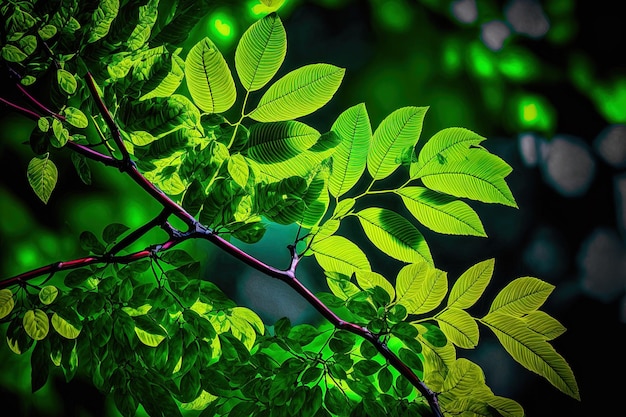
(481, 60)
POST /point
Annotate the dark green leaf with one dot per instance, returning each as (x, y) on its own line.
(434, 335)
(190, 385)
(82, 168)
(366, 367)
(112, 231)
(411, 359)
(404, 331)
(385, 379)
(282, 327)
(193, 197)
(176, 257)
(311, 375)
(76, 277)
(40, 365)
(89, 242)
(368, 350)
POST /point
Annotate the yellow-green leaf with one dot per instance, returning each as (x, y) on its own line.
(532, 351)
(521, 296)
(6, 302)
(48, 294)
(209, 79)
(370, 279)
(238, 169)
(280, 141)
(204, 399)
(63, 327)
(66, 81)
(441, 212)
(396, 134)
(420, 287)
(75, 117)
(148, 339)
(251, 317)
(394, 235)
(42, 176)
(471, 285)
(260, 52)
(463, 377)
(349, 160)
(340, 285)
(338, 254)
(544, 324)
(298, 93)
(36, 324)
(459, 327)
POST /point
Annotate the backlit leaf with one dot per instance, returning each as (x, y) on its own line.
(420, 287)
(36, 324)
(440, 212)
(280, 141)
(349, 159)
(459, 327)
(471, 285)
(148, 339)
(48, 294)
(298, 93)
(338, 254)
(102, 18)
(544, 324)
(394, 235)
(6, 302)
(42, 176)
(478, 176)
(66, 81)
(521, 296)
(260, 52)
(238, 169)
(398, 132)
(370, 279)
(208, 77)
(64, 328)
(532, 351)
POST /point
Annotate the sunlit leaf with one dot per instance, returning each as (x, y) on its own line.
(298, 93)
(36, 324)
(102, 18)
(260, 52)
(280, 141)
(66, 81)
(349, 160)
(471, 285)
(338, 254)
(370, 279)
(420, 287)
(48, 294)
(532, 351)
(6, 302)
(440, 212)
(398, 132)
(208, 77)
(394, 235)
(63, 327)
(544, 324)
(238, 169)
(478, 176)
(459, 327)
(141, 32)
(42, 176)
(463, 377)
(148, 339)
(521, 296)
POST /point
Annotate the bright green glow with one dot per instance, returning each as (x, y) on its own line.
(517, 64)
(395, 14)
(222, 26)
(611, 101)
(535, 112)
(26, 255)
(481, 60)
(258, 8)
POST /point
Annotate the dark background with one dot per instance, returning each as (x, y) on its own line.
(551, 100)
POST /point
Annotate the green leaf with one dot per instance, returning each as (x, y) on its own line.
(193, 197)
(298, 93)
(521, 296)
(460, 328)
(75, 117)
(112, 231)
(440, 212)
(349, 159)
(260, 52)
(102, 18)
(449, 144)
(369, 279)
(394, 235)
(479, 176)
(47, 31)
(532, 351)
(36, 324)
(76, 277)
(280, 141)
(338, 254)
(544, 324)
(238, 169)
(420, 287)
(39, 365)
(6, 302)
(42, 176)
(208, 77)
(141, 33)
(89, 242)
(48, 294)
(82, 168)
(12, 53)
(66, 81)
(463, 377)
(471, 285)
(396, 133)
(64, 328)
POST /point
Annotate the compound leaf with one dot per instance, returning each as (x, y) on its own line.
(280, 141)
(260, 52)
(298, 93)
(350, 157)
(440, 212)
(209, 80)
(394, 235)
